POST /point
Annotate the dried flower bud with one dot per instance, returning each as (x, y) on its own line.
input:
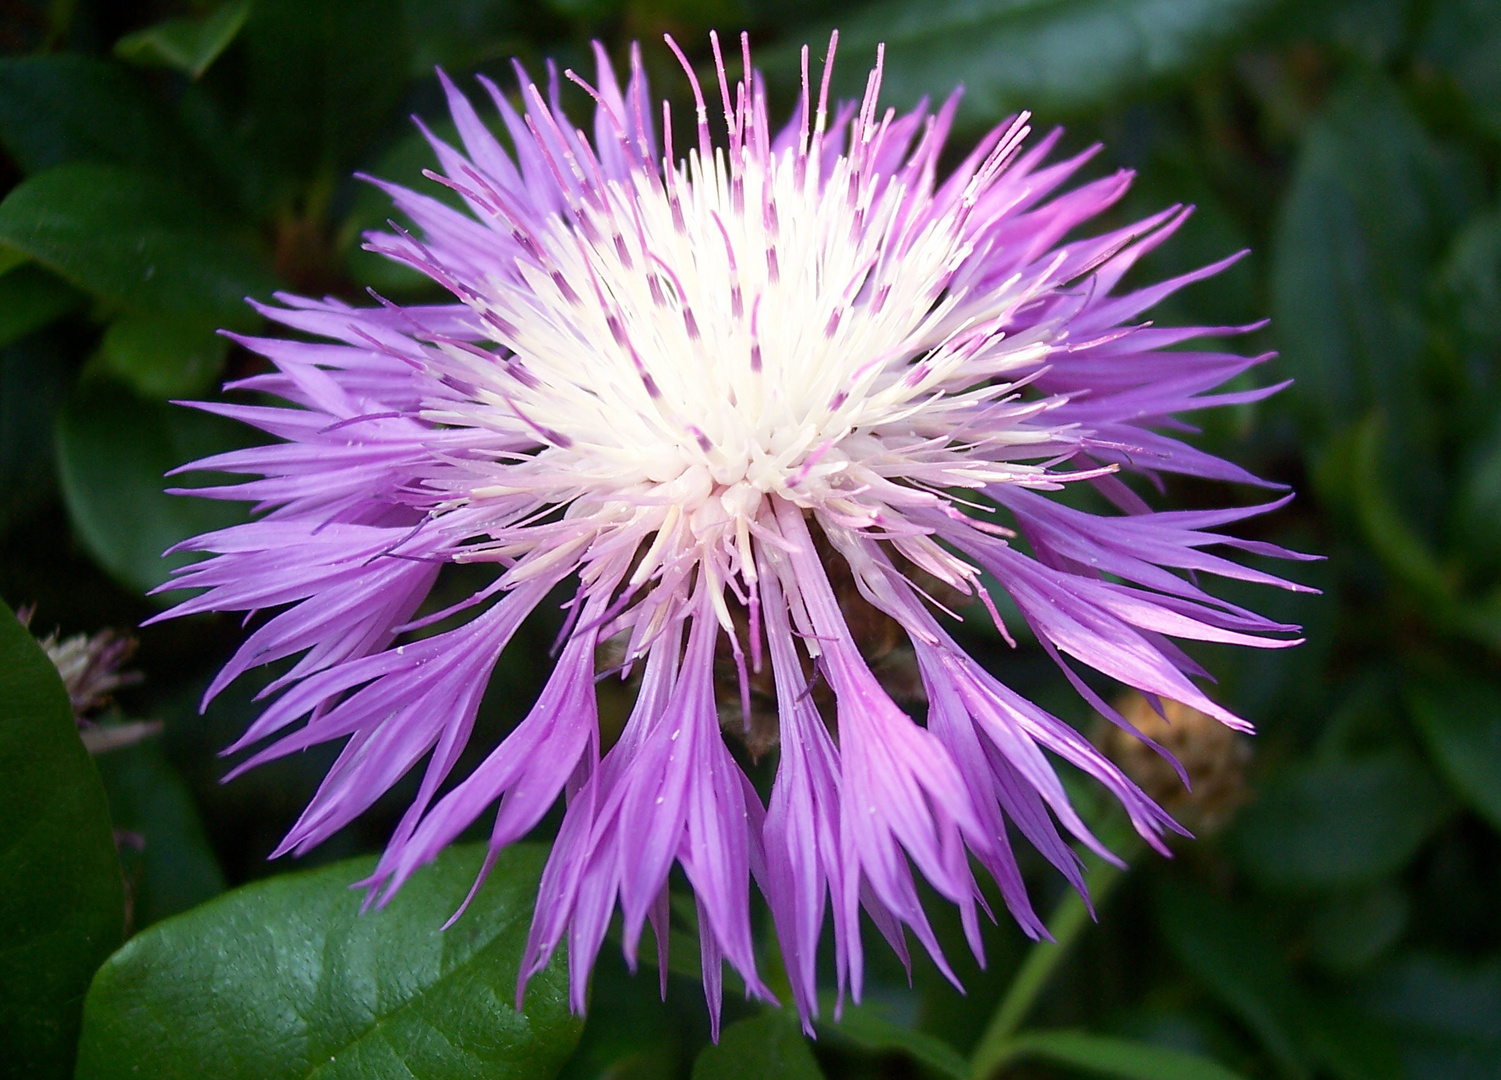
(89, 666)
(1213, 756)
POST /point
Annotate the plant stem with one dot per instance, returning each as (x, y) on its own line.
(1068, 920)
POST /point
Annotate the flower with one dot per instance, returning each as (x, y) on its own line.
(735, 401)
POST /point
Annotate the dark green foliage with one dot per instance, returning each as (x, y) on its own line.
(161, 161)
(62, 906)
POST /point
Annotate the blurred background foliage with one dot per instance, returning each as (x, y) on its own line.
(163, 159)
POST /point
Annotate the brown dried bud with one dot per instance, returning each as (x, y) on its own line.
(1213, 755)
(89, 666)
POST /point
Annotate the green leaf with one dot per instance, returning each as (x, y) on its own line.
(1371, 205)
(1460, 719)
(765, 1047)
(324, 76)
(1463, 40)
(286, 978)
(30, 298)
(186, 45)
(162, 356)
(1333, 824)
(1233, 959)
(62, 905)
(169, 864)
(1350, 930)
(866, 1027)
(64, 107)
(113, 451)
(1053, 56)
(1445, 1014)
(136, 241)
(1108, 1056)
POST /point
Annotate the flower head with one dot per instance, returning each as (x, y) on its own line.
(739, 401)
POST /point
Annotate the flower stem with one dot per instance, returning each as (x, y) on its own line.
(1068, 920)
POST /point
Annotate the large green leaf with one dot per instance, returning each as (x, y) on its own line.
(113, 452)
(286, 978)
(1107, 1056)
(1371, 206)
(1461, 720)
(188, 45)
(65, 107)
(136, 241)
(62, 906)
(1332, 824)
(1051, 56)
(169, 864)
(765, 1047)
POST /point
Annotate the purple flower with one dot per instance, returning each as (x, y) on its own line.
(740, 403)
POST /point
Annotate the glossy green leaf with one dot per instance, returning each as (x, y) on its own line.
(62, 906)
(113, 453)
(169, 864)
(286, 978)
(1371, 205)
(866, 1027)
(1052, 56)
(162, 356)
(30, 298)
(1236, 963)
(1104, 1055)
(765, 1047)
(64, 107)
(324, 76)
(186, 45)
(1460, 718)
(1332, 824)
(133, 240)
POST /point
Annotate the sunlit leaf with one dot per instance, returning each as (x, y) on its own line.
(287, 978)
